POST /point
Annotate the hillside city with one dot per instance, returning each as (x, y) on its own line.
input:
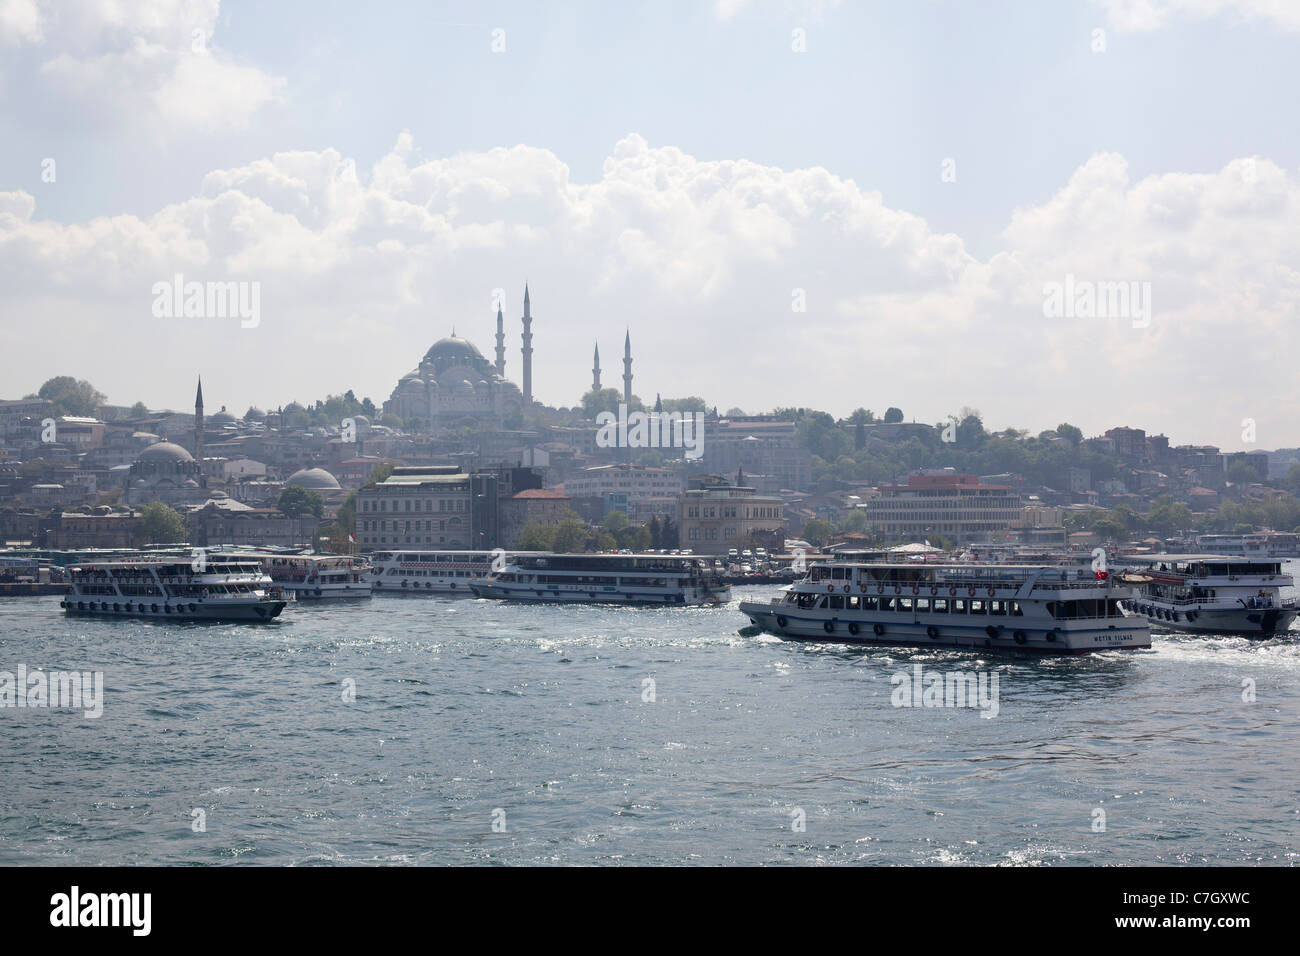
(477, 472)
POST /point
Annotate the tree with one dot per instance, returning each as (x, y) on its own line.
(893, 415)
(818, 532)
(1070, 433)
(70, 396)
(536, 536)
(571, 535)
(139, 410)
(691, 403)
(160, 524)
(295, 501)
(858, 419)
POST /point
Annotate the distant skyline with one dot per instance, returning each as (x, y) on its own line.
(916, 176)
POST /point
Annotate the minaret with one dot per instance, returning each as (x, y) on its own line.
(595, 370)
(198, 430)
(627, 369)
(501, 344)
(528, 353)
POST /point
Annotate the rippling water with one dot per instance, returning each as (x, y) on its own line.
(464, 708)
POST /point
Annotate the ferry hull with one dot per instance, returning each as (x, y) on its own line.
(1259, 624)
(811, 625)
(255, 612)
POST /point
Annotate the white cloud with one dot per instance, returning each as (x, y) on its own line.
(361, 273)
(1143, 15)
(150, 65)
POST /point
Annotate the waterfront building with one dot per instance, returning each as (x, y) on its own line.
(532, 505)
(715, 514)
(416, 507)
(956, 506)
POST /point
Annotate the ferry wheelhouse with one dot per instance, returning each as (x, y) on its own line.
(1040, 609)
(606, 579)
(1212, 594)
(429, 572)
(312, 577)
(225, 589)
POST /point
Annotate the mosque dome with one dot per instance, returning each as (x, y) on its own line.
(164, 451)
(314, 479)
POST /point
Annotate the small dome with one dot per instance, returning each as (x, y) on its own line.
(224, 417)
(164, 451)
(314, 479)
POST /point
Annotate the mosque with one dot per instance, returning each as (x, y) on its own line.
(455, 380)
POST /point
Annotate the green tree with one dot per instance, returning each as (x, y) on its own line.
(160, 523)
(536, 536)
(295, 501)
(71, 396)
(817, 532)
(1070, 433)
(893, 415)
(571, 536)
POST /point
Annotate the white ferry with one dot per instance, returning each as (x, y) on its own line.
(1260, 544)
(1046, 610)
(606, 579)
(313, 577)
(430, 572)
(226, 589)
(1211, 594)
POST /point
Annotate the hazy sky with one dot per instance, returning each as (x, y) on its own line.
(914, 175)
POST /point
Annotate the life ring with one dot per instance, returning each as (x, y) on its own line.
(846, 589)
(830, 588)
(970, 592)
(952, 591)
(916, 589)
(853, 627)
(897, 589)
(932, 632)
(933, 589)
(990, 592)
(781, 622)
(829, 627)
(880, 589)
(862, 588)
(878, 629)
(1020, 637)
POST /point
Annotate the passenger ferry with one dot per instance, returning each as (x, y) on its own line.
(430, 572)
(1039, 609)
(606, 579)
(225, 589)
(314, 577)
(1260, 544)
(1211, 594)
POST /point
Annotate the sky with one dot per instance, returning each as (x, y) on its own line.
(817, 204)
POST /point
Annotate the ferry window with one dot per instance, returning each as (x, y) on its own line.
(977, 606)
(958, 605)
(905, 604)
(997, 607)
(822, 603)
(870, 604)
(922, 604)
(1016, 609)
(853, 602)
(940, 605)
(837, 603)
(837, 574)
(888, 604)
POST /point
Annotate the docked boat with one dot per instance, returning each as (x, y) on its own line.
(316, 577)
(225, 589)
(1039, 609)
(1260, 544)
(1211, 594)
(606, 579)
(430, 572)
